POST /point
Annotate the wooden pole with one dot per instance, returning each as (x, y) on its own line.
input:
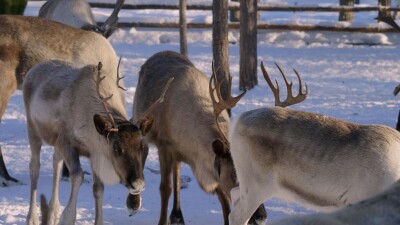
(346, 16)
(183, 27)
(248, 44)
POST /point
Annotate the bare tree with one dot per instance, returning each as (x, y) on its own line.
(346, 16)
(248, 44)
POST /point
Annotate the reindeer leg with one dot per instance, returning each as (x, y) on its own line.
(34, 168)
(398, 123)
(54, 205)
(8, 85)
(176, 217)
(5, 178)
(165, 184)
(246, 205)
(98, 190)
(225, 204)
(71, 158)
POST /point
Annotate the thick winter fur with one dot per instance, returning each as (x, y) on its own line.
(316, 160)
(184, 129)
(381, 209)
(27, 41)
(78, 14)
(64, 110)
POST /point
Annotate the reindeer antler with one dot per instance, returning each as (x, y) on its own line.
(157, 102)
(104, 99)
(118, 77)
(290, 100)
(222, 104)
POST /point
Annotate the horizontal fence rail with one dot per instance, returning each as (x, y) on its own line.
(260, 25)
(259, 8)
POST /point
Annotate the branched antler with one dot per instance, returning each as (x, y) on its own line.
(104, 99)
(156, 103)
(221, 104)
(290, 99)
(118, 77)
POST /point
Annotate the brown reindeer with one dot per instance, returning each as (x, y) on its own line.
(78, 14)
(319, 161)
(81, 112)
(186, 129)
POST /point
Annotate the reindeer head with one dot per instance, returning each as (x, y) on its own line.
(223, 162)
(128, 148)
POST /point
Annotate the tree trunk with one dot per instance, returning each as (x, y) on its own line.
(346, 16)
(384, 13)
(248, 44)
(183, 27)
(220, 44)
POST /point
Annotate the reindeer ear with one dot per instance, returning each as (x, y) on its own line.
(102, 124)
(221, 149)
(145, 125)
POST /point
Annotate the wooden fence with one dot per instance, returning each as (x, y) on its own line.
(260, 25)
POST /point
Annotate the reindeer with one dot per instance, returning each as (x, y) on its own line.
(381, 209)
(81, 113)
(27, 41)
(78, 14)
(318, 161)
(24, 43)
(186, 129)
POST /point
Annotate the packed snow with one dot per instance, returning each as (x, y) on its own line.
(350, 76)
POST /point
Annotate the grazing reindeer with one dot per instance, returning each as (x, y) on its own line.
(316, 160)
(82, 113)
(78, 14)
(186, 130)
(24, 43)
(381, 209)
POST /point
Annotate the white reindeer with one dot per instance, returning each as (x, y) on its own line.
(78, 14)
(81, 113)
(318, 161)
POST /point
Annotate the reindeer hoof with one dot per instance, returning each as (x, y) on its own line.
(176, 218)
(6, 182)
(133, 203)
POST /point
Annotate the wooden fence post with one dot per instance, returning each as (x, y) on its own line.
(346, 16)
(183, 27)
(220, 43)
(248, 44)
(234, 14)
(384, 13)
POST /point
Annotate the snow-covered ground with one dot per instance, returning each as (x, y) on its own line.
(346, 80)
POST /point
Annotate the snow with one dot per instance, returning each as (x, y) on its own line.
(350, 76)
